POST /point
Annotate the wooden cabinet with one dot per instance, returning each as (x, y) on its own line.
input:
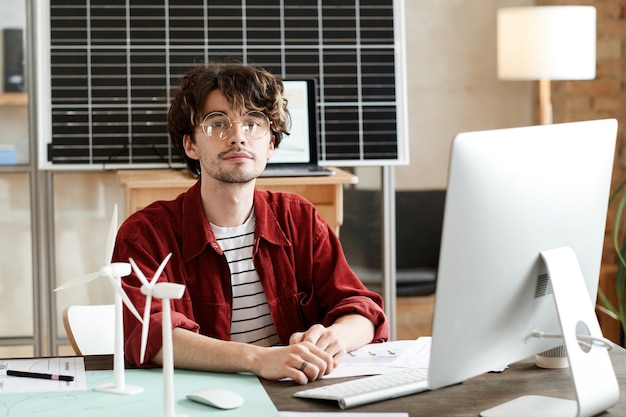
(326, 192)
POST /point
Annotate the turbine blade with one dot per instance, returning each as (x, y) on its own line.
(159, 271)
(78, 281)
(145, 327)
(111, 237)
(140, 274)
(120, 292)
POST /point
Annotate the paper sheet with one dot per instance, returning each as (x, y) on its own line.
(416, 355)
(74, 366)
(379, 358)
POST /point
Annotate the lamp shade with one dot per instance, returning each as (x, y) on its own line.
(547, 42)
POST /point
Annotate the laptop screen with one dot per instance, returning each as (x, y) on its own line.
(300, 146)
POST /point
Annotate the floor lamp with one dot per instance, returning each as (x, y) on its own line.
(547, 43)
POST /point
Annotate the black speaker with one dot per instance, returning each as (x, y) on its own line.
(13, 47)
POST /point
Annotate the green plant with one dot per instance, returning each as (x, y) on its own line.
(619, 243)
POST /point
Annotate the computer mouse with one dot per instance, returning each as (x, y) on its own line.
(216, 397)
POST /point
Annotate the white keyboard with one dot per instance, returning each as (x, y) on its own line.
(370, 389)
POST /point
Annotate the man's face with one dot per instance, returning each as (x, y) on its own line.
(234, 159)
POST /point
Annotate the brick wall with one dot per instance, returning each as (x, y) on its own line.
(604, 97)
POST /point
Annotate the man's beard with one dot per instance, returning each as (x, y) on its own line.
(234, 174)
(235, 177)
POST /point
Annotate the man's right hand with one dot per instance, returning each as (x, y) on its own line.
(302, 362)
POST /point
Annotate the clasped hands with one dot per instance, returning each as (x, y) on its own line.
(309, 356)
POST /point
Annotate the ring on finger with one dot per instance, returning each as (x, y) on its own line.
(304, 365)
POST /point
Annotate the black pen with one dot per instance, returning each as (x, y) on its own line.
(54, 377)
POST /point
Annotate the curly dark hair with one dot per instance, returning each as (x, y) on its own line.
(245, 87)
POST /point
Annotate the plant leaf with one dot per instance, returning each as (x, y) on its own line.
(606, 303)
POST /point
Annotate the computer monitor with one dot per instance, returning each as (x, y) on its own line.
(298, 152)
(513, 193)
(301, 145)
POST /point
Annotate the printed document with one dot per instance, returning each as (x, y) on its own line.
(73, 366)
(380, 358)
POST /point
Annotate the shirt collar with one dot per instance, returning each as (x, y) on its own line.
(196, 229)
(197, 232)
(267, 225)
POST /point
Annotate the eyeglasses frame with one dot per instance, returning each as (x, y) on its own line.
(231, 122)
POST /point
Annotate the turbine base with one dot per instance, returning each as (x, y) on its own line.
(125, 390)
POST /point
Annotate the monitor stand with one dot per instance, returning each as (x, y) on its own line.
(595, 384)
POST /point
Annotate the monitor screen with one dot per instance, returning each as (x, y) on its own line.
(511, 194)
(300, 146)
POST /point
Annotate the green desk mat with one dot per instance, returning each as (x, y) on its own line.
(148, 403)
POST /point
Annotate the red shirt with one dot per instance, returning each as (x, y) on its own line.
(298, 257)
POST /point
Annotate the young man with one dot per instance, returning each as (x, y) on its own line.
(268, 289)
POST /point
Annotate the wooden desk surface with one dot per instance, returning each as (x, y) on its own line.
(467, 399)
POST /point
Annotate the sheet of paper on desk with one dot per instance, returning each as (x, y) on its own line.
(417, 355)
(379, 358)
(74, 366)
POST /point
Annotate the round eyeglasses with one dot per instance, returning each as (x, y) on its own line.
(217, 125)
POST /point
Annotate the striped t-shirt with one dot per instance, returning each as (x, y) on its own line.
(251, 320)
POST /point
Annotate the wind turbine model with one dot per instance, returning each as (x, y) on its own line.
(165, 291)
(113, 271)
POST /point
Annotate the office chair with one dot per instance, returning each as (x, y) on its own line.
(419, 222)
(90, 329)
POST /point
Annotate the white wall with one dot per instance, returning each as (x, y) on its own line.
(83, 207)
(452, 85)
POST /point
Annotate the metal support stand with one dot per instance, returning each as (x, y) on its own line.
(592, 372)
(388, 233)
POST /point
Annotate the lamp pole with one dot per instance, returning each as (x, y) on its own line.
(545, 104)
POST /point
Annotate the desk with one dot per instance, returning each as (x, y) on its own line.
(325, 192)
(467, 399)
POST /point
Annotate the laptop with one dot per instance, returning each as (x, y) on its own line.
(298, 153)
(514, 197)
